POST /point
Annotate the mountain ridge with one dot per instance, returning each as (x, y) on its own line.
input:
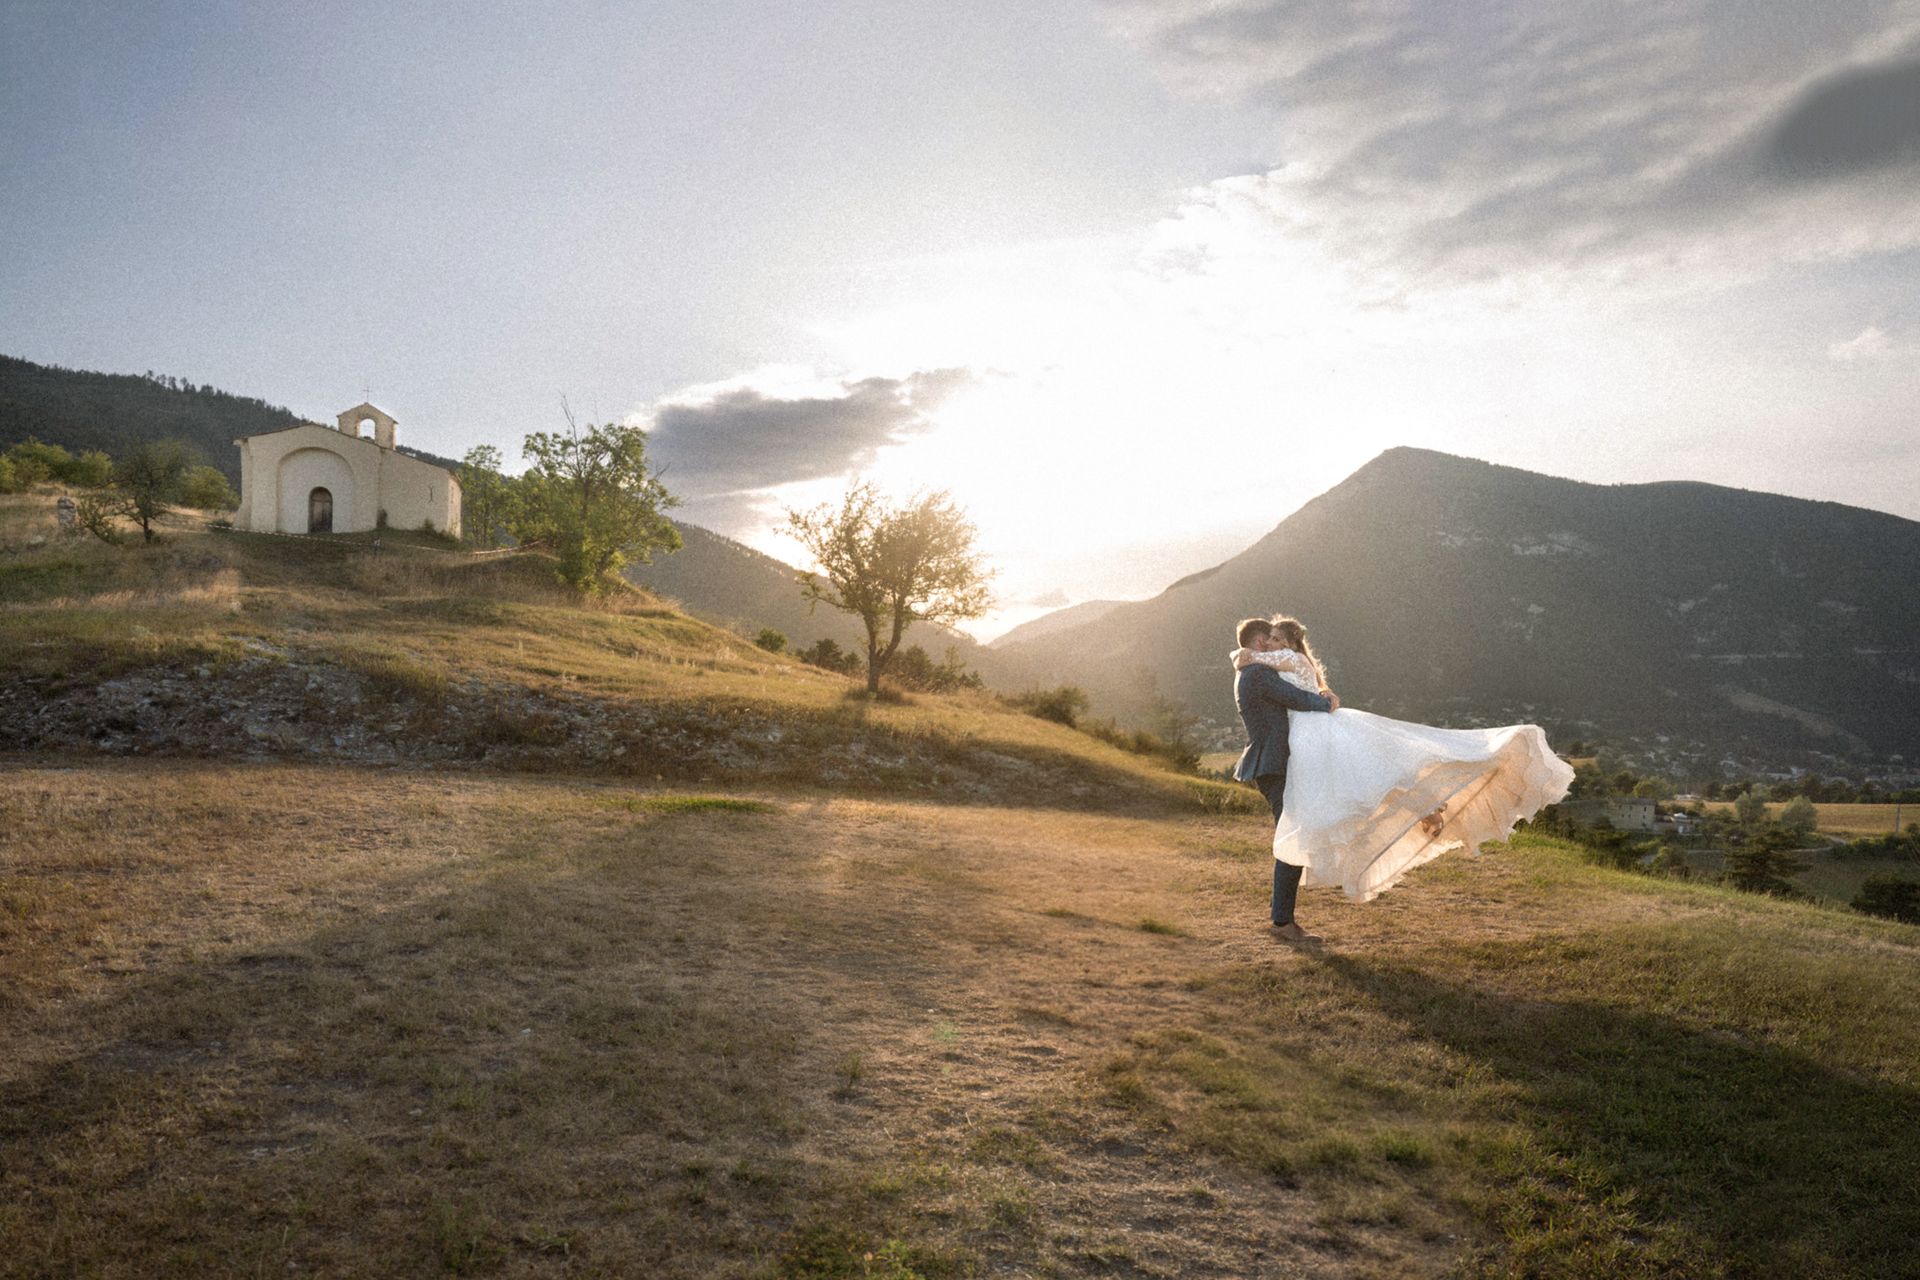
(1738, 621)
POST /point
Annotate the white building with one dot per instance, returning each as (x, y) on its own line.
(315, 479)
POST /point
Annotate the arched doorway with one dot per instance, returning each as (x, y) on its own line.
(320, 511)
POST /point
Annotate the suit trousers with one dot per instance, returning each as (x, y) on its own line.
(1286, 876)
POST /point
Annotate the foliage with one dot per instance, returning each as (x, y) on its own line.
(912, 668)
(98, 513)
(1764, 863)
(92, 412)
(1799, 816)
(1750, 808)
(1062, 705)
(891, 566)
(7, 482)
(1892, 896)
(829, 656)
(36, 463)
(590, 497)
(148, 478)
(206, 489)
(489, 500)
(771, 639)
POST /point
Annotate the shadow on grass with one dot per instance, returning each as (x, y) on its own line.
(1733, 1156)
(553, 1064)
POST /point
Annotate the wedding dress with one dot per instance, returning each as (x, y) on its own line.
(1369, 799)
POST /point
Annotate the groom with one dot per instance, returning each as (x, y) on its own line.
(1264, 697)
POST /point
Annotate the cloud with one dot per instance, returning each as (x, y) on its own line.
(1475, 138)
(1869, 343)
(736, 439)
(1856, 122)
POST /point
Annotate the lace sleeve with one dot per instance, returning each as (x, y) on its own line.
(1294, 666)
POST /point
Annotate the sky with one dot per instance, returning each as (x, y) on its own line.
(1131, 280)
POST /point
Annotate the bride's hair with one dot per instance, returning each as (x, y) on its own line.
(1292, 633)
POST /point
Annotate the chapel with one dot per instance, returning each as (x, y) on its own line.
(315, 479)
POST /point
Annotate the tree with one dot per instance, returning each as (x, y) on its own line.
(148, 478)
(206, 489)
(488, 499)
(892, 566)
(1750, 807)
(1799, 816)
(1892, 896)
(91, 470)
(1764, 863)
(771, 639)
(590, 498)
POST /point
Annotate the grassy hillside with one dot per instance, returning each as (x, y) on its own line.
(738, 988)
(396, 649)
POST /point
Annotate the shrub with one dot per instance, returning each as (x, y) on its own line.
(829, 656)
(911, 668)
(771, 640)
(91, 470)
(1063, 705)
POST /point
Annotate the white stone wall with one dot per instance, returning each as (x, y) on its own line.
(280, 470)
(304, 470)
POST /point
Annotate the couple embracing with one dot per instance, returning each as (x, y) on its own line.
(1359, 800)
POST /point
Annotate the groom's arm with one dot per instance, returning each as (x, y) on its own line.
(1270, 685)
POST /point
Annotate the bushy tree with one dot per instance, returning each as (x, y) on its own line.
(206, 489)
(1750, 808)
(771, 639)
(590, 497)
(1799, 816)
(148, 478)
(891, 566)
(489, 499)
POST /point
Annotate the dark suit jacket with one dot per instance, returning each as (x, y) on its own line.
(1264, 697)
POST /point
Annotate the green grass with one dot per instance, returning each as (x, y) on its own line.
(1707, 1085)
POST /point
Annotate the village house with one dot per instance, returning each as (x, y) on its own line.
(1622, 813)
(315, 479)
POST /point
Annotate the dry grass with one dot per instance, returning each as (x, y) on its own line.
(276, 1019)
(1849, 820)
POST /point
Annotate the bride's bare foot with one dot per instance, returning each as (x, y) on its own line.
(1293, 933)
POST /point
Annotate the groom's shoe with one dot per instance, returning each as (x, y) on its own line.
(1291, 932)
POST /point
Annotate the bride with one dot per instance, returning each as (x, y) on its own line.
(1368, 799)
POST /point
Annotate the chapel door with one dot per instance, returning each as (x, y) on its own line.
(320, 511)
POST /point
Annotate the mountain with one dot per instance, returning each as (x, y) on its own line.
(1077, 615)
(1459, 592)
(81, 410)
